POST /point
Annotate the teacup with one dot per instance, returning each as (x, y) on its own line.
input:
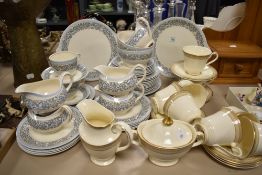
(100, 134)
(159, 99)
(64, 61)
(196, 58)
(221, 128)
(257, 149)
(181, 106)
(121, 105)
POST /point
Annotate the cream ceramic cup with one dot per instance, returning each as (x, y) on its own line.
(221, 128)
(159, 99)
(257, 149)
(196, 58)
(181, 106)
(64, 61)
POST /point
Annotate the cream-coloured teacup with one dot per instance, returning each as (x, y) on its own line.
(64, 61)
(196, 58)
(159, 99)
(257, 149)
(181, 106)
(221, 128)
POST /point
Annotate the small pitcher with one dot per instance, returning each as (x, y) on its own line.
(100, 134)
(46, 96)
(119, 81)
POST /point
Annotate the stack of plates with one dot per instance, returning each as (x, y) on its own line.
(152, 81)
(41, 144)
(222, 157)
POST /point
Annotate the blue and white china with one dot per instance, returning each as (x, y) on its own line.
(64, 61)
(44, 96)
(50, 123)
(119, 81)
(40, 144)
(121, 104)
(93, 40)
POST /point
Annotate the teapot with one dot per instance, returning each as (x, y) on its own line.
(46, 96)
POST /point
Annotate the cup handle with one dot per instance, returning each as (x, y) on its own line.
(213, 60)
(144, 72)
(237, 152)
(126, 128)
(135, 138)
(141, 87)
(200, 138)
(61, 78)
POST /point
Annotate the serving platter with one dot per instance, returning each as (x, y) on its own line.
(170, 35)
(93, 40)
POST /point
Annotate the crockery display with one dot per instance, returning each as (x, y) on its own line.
(119, 81)
(170, 36)
(44, 96)
(102, 48)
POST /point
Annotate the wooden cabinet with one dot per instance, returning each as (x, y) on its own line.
(240, 52)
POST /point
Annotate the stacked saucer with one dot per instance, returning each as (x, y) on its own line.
(31, 139)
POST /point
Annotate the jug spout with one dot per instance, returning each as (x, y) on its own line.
(22, 89)
(95, 114)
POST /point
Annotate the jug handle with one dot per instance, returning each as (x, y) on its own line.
(143, 20)
(127, 129)
(68, 109)
(144, 72)
(141, 87)
(61, 78)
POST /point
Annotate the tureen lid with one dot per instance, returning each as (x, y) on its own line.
(167, 133)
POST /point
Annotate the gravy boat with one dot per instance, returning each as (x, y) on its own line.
(119, 81)
(46, 96)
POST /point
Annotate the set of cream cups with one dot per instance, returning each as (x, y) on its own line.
(180, 100)
(236, 132)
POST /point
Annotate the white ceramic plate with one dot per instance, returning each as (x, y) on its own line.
(93, 40)
(208, 74)
(170, 35)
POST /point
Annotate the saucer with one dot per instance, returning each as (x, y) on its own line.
(140, 112)
(33, 142)
(209, 73)
(81, 73)
(85, 91)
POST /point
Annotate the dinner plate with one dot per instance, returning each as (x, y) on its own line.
(170, 35)
(208, 74)
(93, 40)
